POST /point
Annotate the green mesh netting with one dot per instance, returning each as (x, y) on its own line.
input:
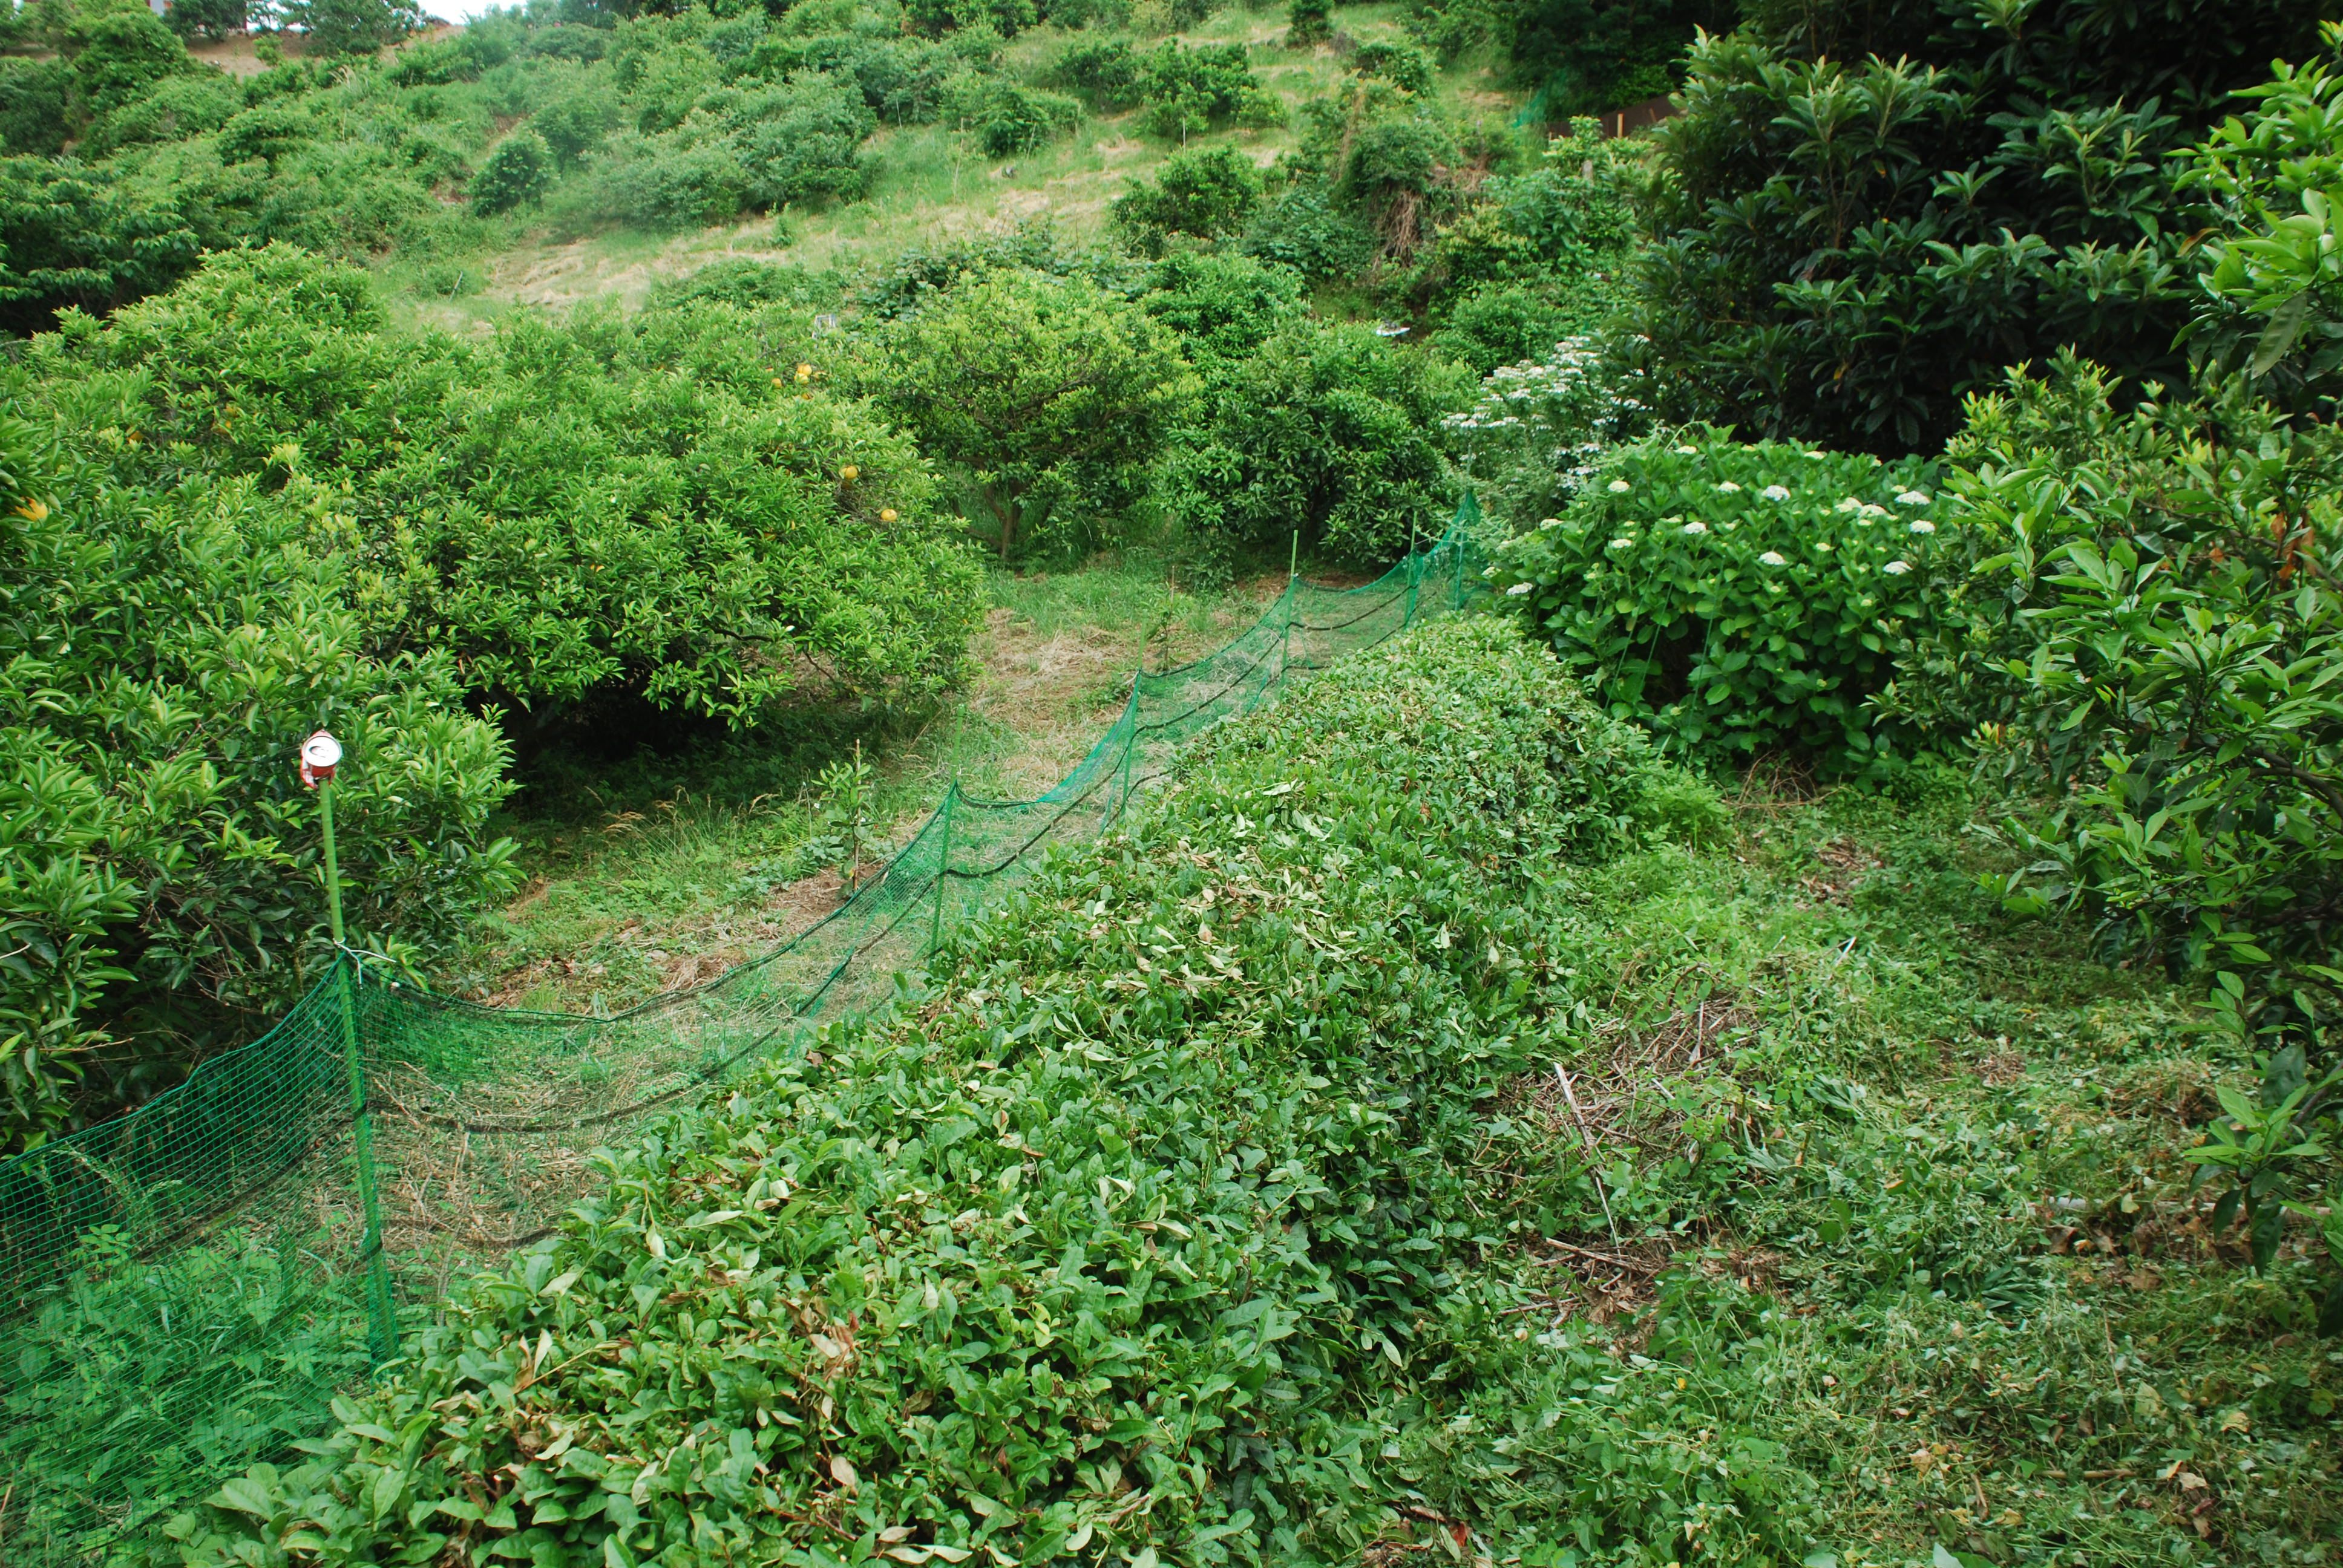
(184, 1289)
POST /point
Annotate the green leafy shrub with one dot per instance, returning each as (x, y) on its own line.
(33, 107)
(572, 510)
(483, 44)
(1740, 601)
(800, 143)
(1006, 117)
(1002, 18)
(1566, 228)
(1590, 55)
(1331, 432)
(1048, 395)
(1192, 89)
(1223, 306)
(1185, 89)
(207, 20)
(175, 107)
(114, 56)
(664, 183)
(163, 652)
(1303, 228)
(1868, 212)
(1388, 155)
(575, 124)
(1500, 324)
(1202, 193)
(917, 274)
(1109, 74)
(1309, 23)
(335, 27)
(2274, 295)
(1149, 1195)
(1403, 66)
(517, 173)
(77, 239)
(2148, 630)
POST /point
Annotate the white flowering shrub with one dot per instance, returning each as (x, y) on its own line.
(1541, 427)
(1737, 599)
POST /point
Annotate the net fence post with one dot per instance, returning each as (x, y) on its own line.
(1414, 576)
(1130, 744)
(382, 1325)
(943, 869)
(1293, 577)
(382, 1322)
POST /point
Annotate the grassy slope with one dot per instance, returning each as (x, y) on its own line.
(931, 186)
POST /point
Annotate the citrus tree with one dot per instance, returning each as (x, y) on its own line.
(1048, 396)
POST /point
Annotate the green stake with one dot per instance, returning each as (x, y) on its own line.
(943, 869)
(320, 755)
(1293, 573)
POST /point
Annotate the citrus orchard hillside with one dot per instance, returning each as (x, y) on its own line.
(1533, 782)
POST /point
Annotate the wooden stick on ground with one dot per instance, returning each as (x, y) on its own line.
(1594, 1154)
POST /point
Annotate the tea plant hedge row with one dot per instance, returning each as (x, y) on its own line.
(1120, 1240)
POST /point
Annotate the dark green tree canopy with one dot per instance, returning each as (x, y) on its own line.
(1868, 210)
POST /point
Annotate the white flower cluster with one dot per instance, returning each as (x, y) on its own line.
(1558, 415)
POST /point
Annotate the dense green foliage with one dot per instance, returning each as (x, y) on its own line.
(572, 509)
(517, 172)
(2151, 622)
(2275, 305)
(1204, 194)
(1589, 56)
(1739, 601)
(75, 238)
(163, 651)
(1868, 211)
(1184, 89)
(1049, 396)
(1146, 1194)
(1333, 433)
(276, 512)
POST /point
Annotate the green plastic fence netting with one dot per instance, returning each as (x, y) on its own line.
(184, 1289)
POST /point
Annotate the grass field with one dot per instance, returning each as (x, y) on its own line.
(931, 186)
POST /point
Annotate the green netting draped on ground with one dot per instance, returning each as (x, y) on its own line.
(184, 1289)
